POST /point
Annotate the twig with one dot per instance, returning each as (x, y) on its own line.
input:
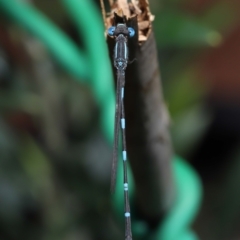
(103, 12)
(110, 2)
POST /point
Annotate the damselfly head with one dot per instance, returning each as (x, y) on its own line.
(121, 28)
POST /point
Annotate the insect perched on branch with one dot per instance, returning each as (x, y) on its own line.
(121, 33)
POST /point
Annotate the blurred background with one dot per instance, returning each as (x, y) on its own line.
(55, 160)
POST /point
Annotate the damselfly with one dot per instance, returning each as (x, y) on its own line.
(121, 33)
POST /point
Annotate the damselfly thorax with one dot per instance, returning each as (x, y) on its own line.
(121, 52)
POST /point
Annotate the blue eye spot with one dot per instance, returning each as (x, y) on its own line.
(131, 32)
(111, 31)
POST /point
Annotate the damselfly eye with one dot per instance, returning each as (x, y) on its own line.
(131, 32)
(111, 31)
